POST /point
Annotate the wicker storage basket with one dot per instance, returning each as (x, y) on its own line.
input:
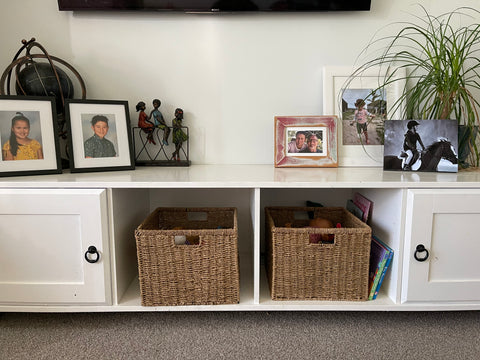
(205, 273)
(335, 269)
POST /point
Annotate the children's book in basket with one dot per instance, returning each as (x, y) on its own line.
(380, 258)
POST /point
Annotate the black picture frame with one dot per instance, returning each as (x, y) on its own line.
(39, 115)
(112, 150)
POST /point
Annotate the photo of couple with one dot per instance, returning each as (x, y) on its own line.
(305, 141)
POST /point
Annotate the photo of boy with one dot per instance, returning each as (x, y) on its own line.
(98, 146)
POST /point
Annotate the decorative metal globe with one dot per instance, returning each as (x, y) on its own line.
(38, 79)
(36, 75)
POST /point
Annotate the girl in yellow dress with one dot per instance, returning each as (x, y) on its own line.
(20, 146)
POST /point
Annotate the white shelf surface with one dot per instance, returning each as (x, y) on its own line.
(131, 302)
(247, 176)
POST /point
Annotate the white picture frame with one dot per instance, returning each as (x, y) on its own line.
(334, 79)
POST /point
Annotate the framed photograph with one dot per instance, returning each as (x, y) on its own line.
(360, 144)
(99, 135)
(28, 137)
(306, 141)
(421, 145)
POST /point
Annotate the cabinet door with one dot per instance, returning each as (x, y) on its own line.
(447, 224)
(45, 236)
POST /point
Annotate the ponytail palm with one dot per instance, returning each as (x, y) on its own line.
(439, 61)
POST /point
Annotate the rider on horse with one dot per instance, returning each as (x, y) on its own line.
(410, 144)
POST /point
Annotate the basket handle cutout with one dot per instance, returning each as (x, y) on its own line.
(186, 240)
(321, 239)
(197, 216)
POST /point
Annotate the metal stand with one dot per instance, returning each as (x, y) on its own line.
(143, 149)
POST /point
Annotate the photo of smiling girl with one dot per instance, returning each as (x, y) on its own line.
(20, 146)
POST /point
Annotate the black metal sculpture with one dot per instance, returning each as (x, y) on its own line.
(41, 78)
(150, 139)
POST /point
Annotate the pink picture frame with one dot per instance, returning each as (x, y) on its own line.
(319, 146)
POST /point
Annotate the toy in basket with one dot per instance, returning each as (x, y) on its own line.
(201, 269)
(313, 263)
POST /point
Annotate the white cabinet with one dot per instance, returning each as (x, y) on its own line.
(54, 246)
(446, 223)
(48, 223)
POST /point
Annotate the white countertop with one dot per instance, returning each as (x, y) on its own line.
(248, 176)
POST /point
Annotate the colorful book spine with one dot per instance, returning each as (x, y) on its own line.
(388, 253)
(378, 257)
(385, 268)
(378, 274)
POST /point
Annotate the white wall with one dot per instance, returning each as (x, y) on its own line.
(230, 73)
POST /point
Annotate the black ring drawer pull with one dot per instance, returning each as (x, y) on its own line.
(421, 249)
(92, 250)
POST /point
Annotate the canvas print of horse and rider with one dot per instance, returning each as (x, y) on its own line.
(421, 145)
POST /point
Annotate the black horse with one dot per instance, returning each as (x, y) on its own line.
(429, 158)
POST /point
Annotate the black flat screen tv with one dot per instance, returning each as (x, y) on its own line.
(214, 6)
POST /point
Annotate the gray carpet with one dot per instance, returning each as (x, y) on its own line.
(241, 335)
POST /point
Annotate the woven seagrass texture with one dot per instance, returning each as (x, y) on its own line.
(300, 270)
(207, 273)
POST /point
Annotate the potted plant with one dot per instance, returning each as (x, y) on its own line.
(438, 59)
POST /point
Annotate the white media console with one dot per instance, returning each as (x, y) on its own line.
(67, 241)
